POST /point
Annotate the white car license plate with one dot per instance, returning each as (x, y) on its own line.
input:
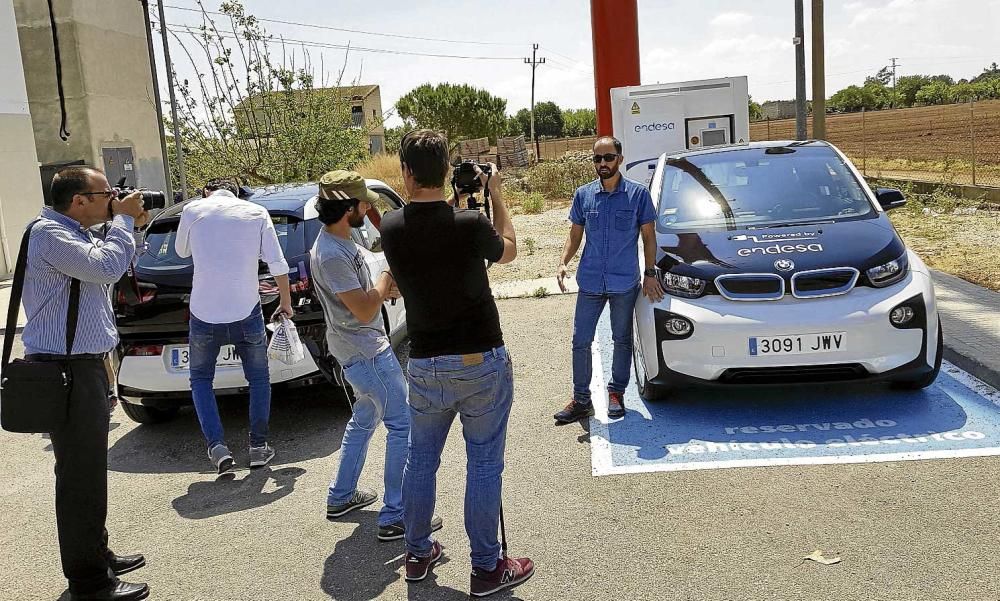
(180, 357)
(798, 344)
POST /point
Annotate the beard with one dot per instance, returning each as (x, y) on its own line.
(606, 172)
(356, 219)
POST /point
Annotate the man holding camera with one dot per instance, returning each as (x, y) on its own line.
(62, 250)
(356, 336)
(228, 236)
(458, 363)
(614, 210)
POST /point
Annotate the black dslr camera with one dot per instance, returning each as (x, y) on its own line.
(150, 200)
(465, 180)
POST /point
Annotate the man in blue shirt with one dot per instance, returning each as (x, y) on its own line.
(613, 210)
(62, 249)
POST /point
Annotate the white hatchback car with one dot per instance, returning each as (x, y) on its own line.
(152, 306)
(781, 266)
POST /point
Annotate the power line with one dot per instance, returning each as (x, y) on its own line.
(569, 58)
(534, 62)
(346, 30)
(279, 40)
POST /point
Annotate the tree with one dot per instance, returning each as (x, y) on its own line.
(991, 72)
(254, 118)
(548, 121)
(884, 76)
(936, 92)
(756, 113)
(459, 110)
(579, 122)
(907, 87)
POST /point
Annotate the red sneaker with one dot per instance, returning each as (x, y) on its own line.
(510, 571)
(616, 405)
(418, 567)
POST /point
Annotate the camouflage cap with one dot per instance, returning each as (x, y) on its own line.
(345, 185)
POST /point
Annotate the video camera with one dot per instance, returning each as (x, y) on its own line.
(465, 180)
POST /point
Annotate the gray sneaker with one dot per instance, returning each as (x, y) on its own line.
(360, 498)
(221, 458)
(261, 456)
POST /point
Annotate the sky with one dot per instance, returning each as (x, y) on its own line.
(679, 40)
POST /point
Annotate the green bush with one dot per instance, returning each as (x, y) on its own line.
(533, 203)
(558, 180)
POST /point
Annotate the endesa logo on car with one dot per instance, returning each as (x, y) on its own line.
(654, 127)
(777, 249)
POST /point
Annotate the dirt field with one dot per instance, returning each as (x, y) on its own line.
(932, 143)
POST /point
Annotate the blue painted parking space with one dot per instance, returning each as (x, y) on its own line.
(957, 416)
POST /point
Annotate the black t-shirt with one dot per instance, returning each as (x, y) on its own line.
(436, 254)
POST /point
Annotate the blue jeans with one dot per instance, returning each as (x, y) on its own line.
(250, 339)
(380, 390)
(588, 311)
(481, 395)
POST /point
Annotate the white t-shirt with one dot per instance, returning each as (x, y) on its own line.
(227, 236)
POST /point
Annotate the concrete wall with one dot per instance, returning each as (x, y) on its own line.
(106, 81)
(20, 186)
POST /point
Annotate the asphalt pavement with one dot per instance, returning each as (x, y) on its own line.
(903, 530)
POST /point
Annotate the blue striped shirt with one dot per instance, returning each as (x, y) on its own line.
(61, 249)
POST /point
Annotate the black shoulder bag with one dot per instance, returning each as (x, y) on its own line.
(34, 395)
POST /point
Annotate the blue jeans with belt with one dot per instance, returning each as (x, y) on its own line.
(588, 312)
(479, 388)
(250, 339)
(380, 393)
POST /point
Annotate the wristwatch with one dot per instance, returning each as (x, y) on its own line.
(650, 272)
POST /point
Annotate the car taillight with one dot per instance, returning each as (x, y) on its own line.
(145, 350)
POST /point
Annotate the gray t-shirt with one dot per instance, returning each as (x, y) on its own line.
(337, 265)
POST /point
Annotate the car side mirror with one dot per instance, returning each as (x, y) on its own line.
(889, 198)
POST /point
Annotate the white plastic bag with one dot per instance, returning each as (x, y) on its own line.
(285, 345)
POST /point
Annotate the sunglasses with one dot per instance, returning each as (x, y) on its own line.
(107, 193)
(607, 158)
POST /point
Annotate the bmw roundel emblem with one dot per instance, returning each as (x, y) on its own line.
(784, 265)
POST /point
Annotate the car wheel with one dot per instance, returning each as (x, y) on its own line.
(647, 390)
(928, 379)
(148, 415)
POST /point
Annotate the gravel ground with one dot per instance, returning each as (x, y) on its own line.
(548, 232)
(909, 530)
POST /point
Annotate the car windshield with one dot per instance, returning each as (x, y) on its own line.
(759, 187)
(160, 237)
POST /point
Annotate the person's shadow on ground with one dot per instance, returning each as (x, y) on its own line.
(230, 493)
(361, 568)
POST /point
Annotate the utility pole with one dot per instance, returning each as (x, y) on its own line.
(168, 187)
(892, 101)
(819, 72)
(534, 65)
(800, 73)
(173, 103)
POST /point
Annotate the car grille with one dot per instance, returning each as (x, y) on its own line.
(794, 374)
(824, 282)
(751, 286)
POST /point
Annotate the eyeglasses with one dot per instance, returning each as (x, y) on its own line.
(607, 158)
(107, 193)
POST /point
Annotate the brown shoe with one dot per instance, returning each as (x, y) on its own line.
(418, 567)
(510, 571)
(573, 412)
(616, 405)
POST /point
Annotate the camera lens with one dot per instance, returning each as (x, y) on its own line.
(154, 200)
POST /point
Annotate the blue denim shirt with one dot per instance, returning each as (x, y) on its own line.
(610, 261)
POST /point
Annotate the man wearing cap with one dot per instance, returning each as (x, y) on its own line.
(227, 237)
(355, 334)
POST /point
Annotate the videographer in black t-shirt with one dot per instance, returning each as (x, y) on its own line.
(458, 363)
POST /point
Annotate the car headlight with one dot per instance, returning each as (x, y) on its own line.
(889, 273)
(682, 285)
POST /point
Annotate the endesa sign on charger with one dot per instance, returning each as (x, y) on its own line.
(673, 117)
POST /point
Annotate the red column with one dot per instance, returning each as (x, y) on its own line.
(615, 27)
